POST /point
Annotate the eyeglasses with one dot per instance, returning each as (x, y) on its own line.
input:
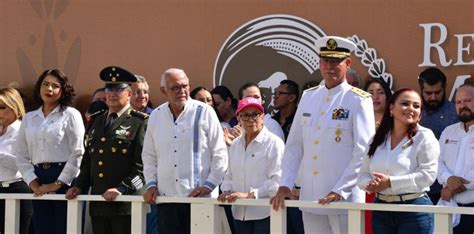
(246, 117)
(278, 93)
(53, 85)
(178, 88)
(114, 90)
(140, 91)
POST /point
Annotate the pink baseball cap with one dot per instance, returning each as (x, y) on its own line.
(249, 101)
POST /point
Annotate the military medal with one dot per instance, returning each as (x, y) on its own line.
(338, 133)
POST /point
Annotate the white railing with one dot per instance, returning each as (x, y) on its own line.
(205, 216)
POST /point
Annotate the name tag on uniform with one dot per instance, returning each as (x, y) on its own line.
(448, 141)
(307, 114)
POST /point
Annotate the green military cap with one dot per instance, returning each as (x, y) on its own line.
(334, 47)
(117, 77)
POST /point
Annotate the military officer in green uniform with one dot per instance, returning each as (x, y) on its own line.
(112, 164)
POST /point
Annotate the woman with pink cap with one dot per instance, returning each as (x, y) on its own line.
(254, 168)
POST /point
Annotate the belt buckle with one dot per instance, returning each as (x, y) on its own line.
(46, 165)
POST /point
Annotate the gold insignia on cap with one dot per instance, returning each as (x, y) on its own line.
(114, 79)
(114, 150)
(102, 139)
(331, 44)
(124, 151)
(101, 151)
(101, 175)
(100, 163)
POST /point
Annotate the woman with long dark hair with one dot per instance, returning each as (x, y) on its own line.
(400, 166)
(49, 148)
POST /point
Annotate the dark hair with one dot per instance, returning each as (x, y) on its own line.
(246, 86)
(197, 90)
(96, 106)
(292, 87)
(67, 91)
(98, 90)
(431, 76)
(387, 124)
(386, 89)
(225, 93)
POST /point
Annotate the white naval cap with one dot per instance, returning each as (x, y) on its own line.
(334, 47)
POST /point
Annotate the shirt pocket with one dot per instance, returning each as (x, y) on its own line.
(340, 132)
(54, 133)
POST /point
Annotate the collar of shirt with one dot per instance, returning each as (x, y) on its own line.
(125, 108)
(342, 86)
(13, 127)
(258, 139)
(39, 111)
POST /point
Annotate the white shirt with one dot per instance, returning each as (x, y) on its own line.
(457, 158)
(57, 137)
(329, 148)
(168, 158)
(412, 167)
(8, 169)
(256, 169)
(273, 126)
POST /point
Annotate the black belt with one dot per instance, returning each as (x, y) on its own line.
(49, 165)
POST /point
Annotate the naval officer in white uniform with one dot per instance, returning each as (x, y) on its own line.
(331, 131)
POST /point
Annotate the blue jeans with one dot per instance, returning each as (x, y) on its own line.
(388, 222)
(260, 226)
(152, 220)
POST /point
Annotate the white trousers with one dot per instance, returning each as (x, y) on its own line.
(324, 224)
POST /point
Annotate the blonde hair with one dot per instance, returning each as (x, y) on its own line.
(12, 98)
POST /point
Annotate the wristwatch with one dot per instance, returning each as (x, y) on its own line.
(58, 182)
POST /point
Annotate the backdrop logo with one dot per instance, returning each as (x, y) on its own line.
(273, 48)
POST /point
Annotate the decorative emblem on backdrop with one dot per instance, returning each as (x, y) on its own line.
(272, 48)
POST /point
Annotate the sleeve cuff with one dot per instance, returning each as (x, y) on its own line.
(209, 185)
(151, 184)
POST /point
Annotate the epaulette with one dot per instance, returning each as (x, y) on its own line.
(139, 114)
(360, 92)
(97, 113)
(312, 88)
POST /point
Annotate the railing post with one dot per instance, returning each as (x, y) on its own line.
(139, 211)
(12, 216)
(356, 221)
(443, 223)
(74, 216)
(205, 218)
(278, 220)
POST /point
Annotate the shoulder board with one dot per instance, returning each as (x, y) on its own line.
(360, 92)
(139, 114)
(97, 113)
(312, 88)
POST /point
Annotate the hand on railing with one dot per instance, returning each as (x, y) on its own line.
(150, 195)
(446, 194)
(111, 194)
(279, 199)
(331, 197)
(199, 192)
(229, 196)
(35, 187)
(72, 193)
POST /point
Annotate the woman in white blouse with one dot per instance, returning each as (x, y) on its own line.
(401, 165)
(11, 113)
(254, 168)
(49, 148)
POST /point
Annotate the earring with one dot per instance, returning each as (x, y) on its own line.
(391, 114)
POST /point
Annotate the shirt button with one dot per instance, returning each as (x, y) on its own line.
(175, 151)
(176, 180)
(101, 151)
(100, 163)
(322, 112)
(114, 150)
(102, 139)
(328, 98)
(316, 141)
(319, 127)
(315, 157)
(174, 137)
(315, 173)
(101, 175)
(175, 165)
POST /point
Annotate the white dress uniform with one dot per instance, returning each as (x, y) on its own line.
(329, 135)
(180, 155)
